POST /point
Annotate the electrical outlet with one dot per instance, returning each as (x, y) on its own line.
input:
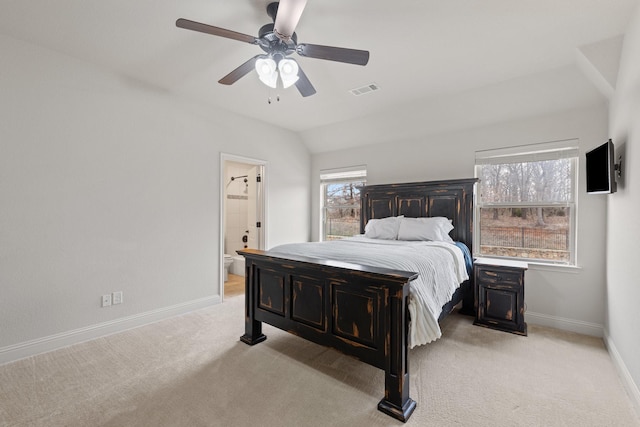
(117, 297)
(106, 300)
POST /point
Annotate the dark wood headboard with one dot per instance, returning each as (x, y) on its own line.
(452, 199)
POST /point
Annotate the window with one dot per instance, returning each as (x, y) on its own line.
(340, 192)
(526, 204)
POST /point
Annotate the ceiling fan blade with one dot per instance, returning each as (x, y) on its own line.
(304, 85)
(239, 72)
(339, 54)
(216, 31)
(289, 13)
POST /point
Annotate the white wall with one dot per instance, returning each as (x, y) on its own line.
(623, 232)
(562, 297)
(109, 185)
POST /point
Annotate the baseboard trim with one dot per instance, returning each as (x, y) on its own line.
(625, 375)
(586, 328)
(30, 348)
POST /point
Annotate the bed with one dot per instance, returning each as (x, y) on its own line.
(361, 310)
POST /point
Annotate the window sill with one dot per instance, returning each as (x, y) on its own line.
(560, 268)
(540, 266)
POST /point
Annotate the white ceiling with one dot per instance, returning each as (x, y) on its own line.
(518, 55)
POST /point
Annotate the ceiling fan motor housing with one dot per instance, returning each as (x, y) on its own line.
(271, 43)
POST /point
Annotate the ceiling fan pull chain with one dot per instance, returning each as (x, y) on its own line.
(269, 92)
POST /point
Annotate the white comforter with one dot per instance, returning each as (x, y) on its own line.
(440, 265)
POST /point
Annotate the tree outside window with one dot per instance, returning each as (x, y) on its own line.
(526, 206)
(341, 203)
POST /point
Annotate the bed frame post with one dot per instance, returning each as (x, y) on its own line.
(252, 328)
(397, 402)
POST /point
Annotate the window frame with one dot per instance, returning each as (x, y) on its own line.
(567, 149)
(338, 176)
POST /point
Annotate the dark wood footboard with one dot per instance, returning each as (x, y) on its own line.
(358, 310)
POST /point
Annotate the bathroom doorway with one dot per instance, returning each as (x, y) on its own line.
(242, 217)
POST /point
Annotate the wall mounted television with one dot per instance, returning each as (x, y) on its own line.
(601, 169)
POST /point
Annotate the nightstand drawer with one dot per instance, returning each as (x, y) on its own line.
(492, 276)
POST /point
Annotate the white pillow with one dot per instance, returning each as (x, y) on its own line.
(434, 228)
(384, 228)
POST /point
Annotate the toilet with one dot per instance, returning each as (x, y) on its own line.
(237, 267)
(228, 260)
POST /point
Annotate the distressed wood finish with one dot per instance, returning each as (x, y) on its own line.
(452, 199)
(499, 292)
(359, 310)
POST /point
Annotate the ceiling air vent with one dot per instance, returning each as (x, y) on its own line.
(365, 89)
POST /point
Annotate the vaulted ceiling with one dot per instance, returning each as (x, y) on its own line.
(445, 64)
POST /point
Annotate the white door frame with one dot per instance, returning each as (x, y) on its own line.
(262, 208)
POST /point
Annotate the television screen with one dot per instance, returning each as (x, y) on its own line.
(600, 169)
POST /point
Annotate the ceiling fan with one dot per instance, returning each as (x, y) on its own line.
(279, 40)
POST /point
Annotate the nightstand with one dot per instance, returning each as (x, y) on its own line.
(499, 294)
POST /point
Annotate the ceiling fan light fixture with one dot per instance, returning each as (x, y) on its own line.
(278, 40)
(267, 71)
(288, 72)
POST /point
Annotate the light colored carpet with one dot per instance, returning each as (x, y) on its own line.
(191, 370)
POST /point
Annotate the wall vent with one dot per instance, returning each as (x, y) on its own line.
(365, 89)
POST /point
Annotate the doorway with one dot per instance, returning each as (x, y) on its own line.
(242, 217)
